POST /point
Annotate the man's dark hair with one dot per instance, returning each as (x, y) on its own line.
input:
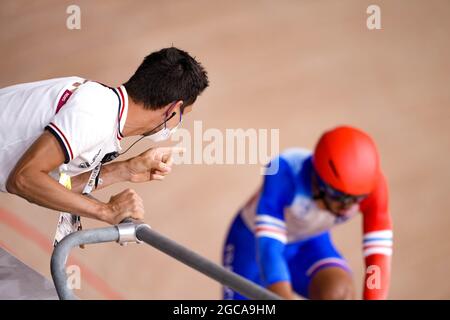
(166, 76)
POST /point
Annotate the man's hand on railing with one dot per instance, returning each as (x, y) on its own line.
(126, 204)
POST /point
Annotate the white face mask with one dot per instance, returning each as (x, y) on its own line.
(163, 134)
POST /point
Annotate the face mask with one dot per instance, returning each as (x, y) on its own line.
(162, 134)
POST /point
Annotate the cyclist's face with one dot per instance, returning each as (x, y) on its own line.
(338, 208)
(334, 201)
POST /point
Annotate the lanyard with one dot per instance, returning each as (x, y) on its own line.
(93, 179)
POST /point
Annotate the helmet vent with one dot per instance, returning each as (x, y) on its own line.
(333, 168)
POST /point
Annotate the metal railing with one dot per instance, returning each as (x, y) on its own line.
(130, 231)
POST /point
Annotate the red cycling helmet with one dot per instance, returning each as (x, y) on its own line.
(347, 159)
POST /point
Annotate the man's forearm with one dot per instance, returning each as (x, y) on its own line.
(39, 188)
(109, 174)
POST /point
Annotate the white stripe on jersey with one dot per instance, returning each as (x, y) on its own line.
(378, 242)
(377, 250)
(322, 262)
(270, 220)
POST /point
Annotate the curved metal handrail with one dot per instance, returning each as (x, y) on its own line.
(130, 231)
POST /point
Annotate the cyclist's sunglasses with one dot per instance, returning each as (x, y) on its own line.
(337, 195)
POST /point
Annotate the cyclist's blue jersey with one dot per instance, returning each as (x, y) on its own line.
(284, 208)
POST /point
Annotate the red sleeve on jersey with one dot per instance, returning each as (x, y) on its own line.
(377, 241)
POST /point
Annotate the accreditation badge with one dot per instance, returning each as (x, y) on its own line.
(67, 223)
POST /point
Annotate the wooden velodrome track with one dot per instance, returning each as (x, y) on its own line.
(300, 66)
